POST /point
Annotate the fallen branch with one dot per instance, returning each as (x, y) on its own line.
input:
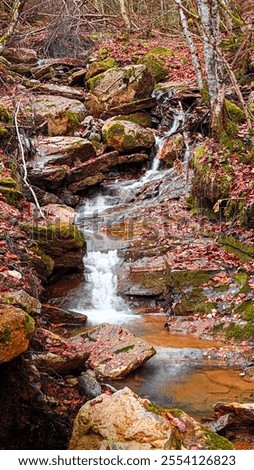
(22, 153)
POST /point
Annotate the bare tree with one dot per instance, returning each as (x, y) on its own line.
(15, 14)
(125, 15)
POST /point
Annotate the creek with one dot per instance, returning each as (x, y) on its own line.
(179, 375)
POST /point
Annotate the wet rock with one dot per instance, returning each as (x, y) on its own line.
(133, 158)
(242, 412)
(118, 86)
(48, 178)
(68, 198)
(132, 107)
(16, 328)
(20, 54)
(114, 351)
(172, 148)
(64, 150)
(77, 77)
(88, 385)
(143, 118)
(249, 373)
(92, 167)
(22, 299)
(59, 212)
(125, 421)
(55, 314)
(86, 183)
(43, 197)
(57, 354)
(125, 135)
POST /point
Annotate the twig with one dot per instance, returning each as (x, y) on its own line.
(21, 148)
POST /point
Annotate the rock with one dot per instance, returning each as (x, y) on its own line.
(172, 148)
(114, 351)
(57, 354)
(68, 198)
(20, 298)
(43, 197)
(118, 86)
(49, 178)
(143, 118)
(86, 183)
(132, 158)
(125, 421)
(155, 67)
(64, 150)
(78, 77)
(16, 328)
(249, 373)
(61, 90)
(242, 412)
(88, 385)
(92, 167)
(42, 263)
(132, 107)
(59, 212)
(55, 314)
(60, 240)
(125, 136)
(20, 54)
(95, 68)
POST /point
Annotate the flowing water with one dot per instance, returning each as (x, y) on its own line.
(178, 375)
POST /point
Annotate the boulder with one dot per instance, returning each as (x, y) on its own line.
(77, 77)
(143, 118)
(55, 314)
(61, 90)
(64, 150)
(126, 136)
(92, 167)
(86, 183)
(59, 212)
(131, 107)
(118, 86)
(114, 351)
(95, 68)
(49, 178)
(124, 421)
(20, 54)
(43, 197)
(22, 299)
(57, 354)
(88, 385)
(16, 328)
(171, 149)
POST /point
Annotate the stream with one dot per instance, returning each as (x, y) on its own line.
(178, 375)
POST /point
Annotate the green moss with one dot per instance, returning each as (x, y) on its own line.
(236, 211)
(5, 335)
(216, 442)
(73, 120)
(236, 114)
(5, 115)
(244, 252)
(94, 81)
(188, 306)
(29, 326)
(7, 181)
(3, 132)
(114, 129)
(240, 277)
(199, 153)
(155, 67)
(123, 350)
(108, 63)
(240, 333)
(222, 288)
(157, 410)
(251, 108)
(162, 51)
(42, 263)
(46, 234)
(102, 53)
(187, 278)
(12, 195)
(141, 118)
(247, 308)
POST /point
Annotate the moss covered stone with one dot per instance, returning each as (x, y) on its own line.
(161, 51)
(99, 67)
(216, 442)
(239, 332)
(126, 135)
(142, 118)
(247, 310)
(243, 251)
(12, 195)
(155, 67)
(235, 113)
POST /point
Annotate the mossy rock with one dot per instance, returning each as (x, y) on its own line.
(188, 278)
(185, 307)
(99, 67)
(12, 195)
(235, 113)
(216, 442)
(126, 135)
(247, 309)
(16, 328)
(161, 51)
(243, 251)
(240, 332)
(42, 263)
(7, 181)
(155, 67)
(143, 118)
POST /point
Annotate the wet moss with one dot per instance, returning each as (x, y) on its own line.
(12, 195)
(247, 309)
(188, 306)
(93, 82)
(162, 51)
(240, 333)
(187, 278)
(73, 120)
(156, 409)
(50, 232)
(141, 118)
(7, 181)
(216, 442)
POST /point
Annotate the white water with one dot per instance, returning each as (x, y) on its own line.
(100, 300)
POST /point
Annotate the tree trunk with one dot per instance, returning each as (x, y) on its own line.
(125, 15)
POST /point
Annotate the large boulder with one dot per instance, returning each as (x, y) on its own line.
(126, 136)
(48, 178)
(114, 351)
(171, 149)
(63, 150)
(125, 421)
(118, 86)
(93, 167)
(16, 328)
(22, 299)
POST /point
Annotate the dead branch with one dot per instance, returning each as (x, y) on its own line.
(22, 153)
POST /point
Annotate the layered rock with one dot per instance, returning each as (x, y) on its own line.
(64, 150)
(118, 86)
(124, 421)
(126, 136)
(114, 351)
(171, 149)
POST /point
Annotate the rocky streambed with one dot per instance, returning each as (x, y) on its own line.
(108, 159)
